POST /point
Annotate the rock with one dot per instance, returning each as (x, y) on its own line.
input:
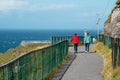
(112, 28)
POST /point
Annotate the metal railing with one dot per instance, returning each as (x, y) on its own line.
(56, 39)
(35, 65)
(114, 44)
(106, 40)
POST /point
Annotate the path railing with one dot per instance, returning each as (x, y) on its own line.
(35, 65)
(114, 44)
(56, 39)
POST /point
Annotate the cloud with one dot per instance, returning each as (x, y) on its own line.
(24, 5)
(57, 6)
(9, 5)
(92, 13)
(86, 14)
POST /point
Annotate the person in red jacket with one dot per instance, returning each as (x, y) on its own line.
(75, 40)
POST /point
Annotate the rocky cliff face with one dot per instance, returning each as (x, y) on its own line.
(112, 25)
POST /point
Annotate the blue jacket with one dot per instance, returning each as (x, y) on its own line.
(87, 39)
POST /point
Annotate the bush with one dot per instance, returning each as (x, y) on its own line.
(118, 2)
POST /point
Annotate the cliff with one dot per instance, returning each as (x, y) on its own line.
(112, 24)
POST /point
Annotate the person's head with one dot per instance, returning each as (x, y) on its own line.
(87, 33)
(75, 33)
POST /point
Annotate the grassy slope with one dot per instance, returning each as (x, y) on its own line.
(20, 50)
(108, 72)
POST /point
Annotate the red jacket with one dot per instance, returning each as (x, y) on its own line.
(75, 39)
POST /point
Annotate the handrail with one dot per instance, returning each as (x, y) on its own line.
(35, 65)
(56, 39)
(29, 53)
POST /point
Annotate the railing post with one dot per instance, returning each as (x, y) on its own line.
(119, 50)
(7, 73)
(118, 54)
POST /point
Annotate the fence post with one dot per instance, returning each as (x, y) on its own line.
(119, 50)
(114, 54)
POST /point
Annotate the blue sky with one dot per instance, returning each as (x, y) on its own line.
(53, 14)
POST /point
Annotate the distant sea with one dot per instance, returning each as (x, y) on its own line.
(13, 38)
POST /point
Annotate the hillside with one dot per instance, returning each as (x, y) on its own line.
(20, 50)
(112, 24)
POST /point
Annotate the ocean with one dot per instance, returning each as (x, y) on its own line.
(13, 38)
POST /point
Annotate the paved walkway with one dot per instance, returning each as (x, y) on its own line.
(86, 66)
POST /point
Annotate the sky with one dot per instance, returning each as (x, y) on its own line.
(54, 14)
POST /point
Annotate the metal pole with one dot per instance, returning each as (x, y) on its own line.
(98, 31)
(85, 33)
(98, 26)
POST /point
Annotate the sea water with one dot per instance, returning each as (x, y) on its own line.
(13, 38)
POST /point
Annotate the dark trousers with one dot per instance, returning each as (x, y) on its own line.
(87, 47)
(75, 47)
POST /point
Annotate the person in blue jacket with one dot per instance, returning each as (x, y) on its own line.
(87, 41)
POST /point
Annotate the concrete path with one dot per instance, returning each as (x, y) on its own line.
(86, 66)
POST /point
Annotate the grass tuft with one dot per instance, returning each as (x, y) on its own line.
(108, 72)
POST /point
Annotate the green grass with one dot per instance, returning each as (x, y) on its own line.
(108, 72)
(20, 50)
(116, 74)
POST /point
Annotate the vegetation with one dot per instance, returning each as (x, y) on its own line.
(109, 17)
(108, 72)
(20, 50)
(118, 2)
(50, 76)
